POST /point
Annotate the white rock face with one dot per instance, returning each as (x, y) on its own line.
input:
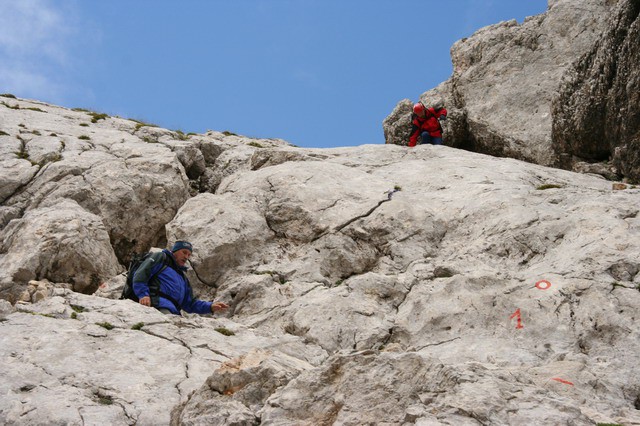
(14, 174)
(438, 272)
(373, 284)
(98, 361)
(61, 242)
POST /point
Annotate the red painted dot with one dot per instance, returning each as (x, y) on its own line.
(543, 284)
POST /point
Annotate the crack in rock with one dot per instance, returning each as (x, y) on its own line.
(436, 344)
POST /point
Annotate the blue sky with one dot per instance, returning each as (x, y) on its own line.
(317, 73)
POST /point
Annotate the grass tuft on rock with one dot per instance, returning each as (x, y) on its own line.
(103, 399)
(140, 124)
(106, 325)
(96, 116)
(78, 308)
(225, 331)
(548, 186)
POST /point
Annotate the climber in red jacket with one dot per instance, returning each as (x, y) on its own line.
(425, 122)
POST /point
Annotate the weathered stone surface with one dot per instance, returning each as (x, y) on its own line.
(236, 391)
(239, 154)
(450, 257)
(133, 175)
(397, 125)
(597, 115)
(416, 390)
(76, 359)
(371, 284)
(505, 77)
(60, 242)
(429, 275)
(5, 309)
(14, 173)
(225, 231)
(40, 290)
(44, 149)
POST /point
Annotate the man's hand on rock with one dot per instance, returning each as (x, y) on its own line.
(218, 306)
(146, 301)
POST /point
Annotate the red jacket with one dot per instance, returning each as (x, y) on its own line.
(429, 124)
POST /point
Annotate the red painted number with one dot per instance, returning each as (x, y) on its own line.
(516, 315)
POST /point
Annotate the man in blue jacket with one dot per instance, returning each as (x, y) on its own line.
(172, 291)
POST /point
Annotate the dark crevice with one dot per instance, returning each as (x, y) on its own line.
(368, 213)
(350, 221)
(436, 344)
(195, 272)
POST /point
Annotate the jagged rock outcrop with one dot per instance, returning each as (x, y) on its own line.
(365, 284)
(596, 117)
(125, 178)
(506, 76)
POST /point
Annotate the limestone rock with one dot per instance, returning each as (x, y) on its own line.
(397, 125)
(118, 362)
(133, 184)
(112, 288)
(437, 269)
(237, 390)
(414, 390)
(373, 284)
(5, 309)
(44, 149)
(40, 290)
(62, 243)
(191, 158)
(596, 116)
(14, 174)
(224, 238)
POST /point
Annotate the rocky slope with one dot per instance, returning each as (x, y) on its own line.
(560, 89)
(367, 285)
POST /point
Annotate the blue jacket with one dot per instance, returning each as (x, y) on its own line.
(173, 284)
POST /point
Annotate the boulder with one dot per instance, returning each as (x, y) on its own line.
(222, 238)
(60, 242)
(596, 115)
(135, 188)
(14, 174)
(237, 390)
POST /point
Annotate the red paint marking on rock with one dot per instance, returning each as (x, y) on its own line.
(566, 382)
(516, 314)
(543, 284)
